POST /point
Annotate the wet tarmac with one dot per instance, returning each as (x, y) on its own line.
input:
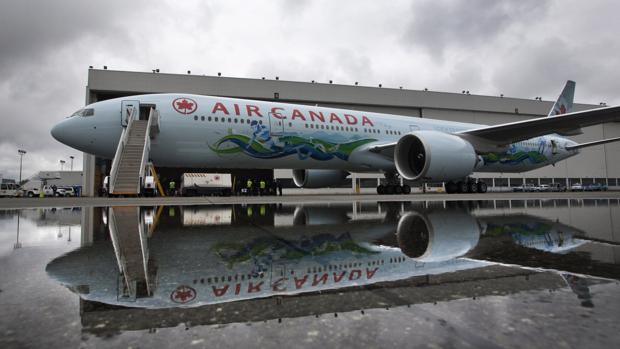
(485, 273)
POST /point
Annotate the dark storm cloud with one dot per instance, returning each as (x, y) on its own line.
(30, 28)
(436, 25)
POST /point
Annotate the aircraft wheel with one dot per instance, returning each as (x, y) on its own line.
(381, 190)
(389, 189)
(461, 187)
(398, 189)
(482, 187)
(472, 187)
(406, 189)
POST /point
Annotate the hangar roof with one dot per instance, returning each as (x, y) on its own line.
(104, 84)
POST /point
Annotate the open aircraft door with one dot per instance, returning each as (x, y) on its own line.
(126, 108)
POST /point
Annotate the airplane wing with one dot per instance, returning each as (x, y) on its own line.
(589, 144)
(501, 135)
(565, 124)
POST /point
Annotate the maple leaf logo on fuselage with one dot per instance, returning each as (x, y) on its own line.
(184, 105)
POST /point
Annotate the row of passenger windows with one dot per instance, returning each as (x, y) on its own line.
(290, 124)
(223, 119)
(330, 267)
(349, 129)
(229, 278)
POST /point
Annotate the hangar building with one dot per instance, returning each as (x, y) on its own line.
(594, 164)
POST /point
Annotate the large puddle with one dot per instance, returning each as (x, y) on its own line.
(324, 274)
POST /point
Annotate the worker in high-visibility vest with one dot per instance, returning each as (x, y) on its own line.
(248, 186)
(171, 187)
(263, 186)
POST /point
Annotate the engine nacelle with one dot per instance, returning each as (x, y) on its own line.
(434, 156)
(318, 178)
(437, 235)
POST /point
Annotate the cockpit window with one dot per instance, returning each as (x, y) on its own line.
(84, 112)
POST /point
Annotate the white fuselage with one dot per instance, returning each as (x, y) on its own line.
(217, 132)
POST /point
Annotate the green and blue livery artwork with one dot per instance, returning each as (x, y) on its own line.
(261, 252)
(517, 155)
(264, 145)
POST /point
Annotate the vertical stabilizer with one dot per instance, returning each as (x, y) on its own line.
(564, 104)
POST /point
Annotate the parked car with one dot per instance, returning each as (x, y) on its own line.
(543, 187)
(526, 187)
(66, 191)
(595, 187)
(557, 187)
(576, 187)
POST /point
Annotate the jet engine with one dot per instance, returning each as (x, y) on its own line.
(437, 235)
(321, 215)
(434, 156)
(318, 178)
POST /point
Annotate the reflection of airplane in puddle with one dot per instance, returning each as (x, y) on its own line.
(196, 260)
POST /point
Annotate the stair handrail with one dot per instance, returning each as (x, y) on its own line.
(119, 150)
(146, 149)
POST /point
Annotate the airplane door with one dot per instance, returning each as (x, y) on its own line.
(276, 124)
(278, 273)
(554, 147)
(126, 108)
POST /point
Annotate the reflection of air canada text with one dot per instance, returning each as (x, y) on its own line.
(298, 283)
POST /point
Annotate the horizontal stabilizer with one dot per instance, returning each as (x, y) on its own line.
(589, 144)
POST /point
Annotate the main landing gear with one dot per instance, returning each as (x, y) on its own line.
(466, 186)
(391, 185)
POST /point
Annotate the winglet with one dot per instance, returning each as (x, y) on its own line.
(564, 104)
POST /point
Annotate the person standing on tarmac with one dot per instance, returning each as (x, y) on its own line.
(279, 186)
(262, 187)
(171, 187)
(248, 186)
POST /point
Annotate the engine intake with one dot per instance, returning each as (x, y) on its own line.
(437, 235)
(434, 155)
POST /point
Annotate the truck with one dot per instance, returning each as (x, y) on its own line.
(48, 190)
(193, 184)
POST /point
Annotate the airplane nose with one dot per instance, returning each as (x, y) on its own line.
(59, 132)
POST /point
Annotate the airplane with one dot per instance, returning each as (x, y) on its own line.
(204, 262)
(323, 145)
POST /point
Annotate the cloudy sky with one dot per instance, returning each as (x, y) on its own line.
(522, 48)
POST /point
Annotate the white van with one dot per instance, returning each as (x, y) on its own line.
(9, 190)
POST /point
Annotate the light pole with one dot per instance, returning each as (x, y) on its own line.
(71, 157)
(21, 156)
(62, 164)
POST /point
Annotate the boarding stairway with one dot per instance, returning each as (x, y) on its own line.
(132, 154)
(129, 239)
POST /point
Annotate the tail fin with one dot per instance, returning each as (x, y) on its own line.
(564, 104)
